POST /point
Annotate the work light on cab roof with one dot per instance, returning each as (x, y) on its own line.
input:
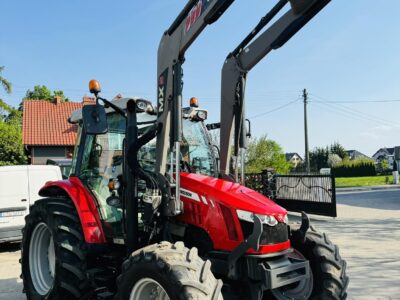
(94, 87)
(194, 102)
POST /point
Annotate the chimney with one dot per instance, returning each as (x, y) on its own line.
(57, 100)
(88, 100)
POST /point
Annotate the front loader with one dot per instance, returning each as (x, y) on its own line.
(148, 213)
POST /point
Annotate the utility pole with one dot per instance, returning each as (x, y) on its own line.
(305, 96)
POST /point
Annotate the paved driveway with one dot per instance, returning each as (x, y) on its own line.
(367, 231)
(10, 283)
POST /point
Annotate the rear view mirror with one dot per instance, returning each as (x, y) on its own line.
(94, 119)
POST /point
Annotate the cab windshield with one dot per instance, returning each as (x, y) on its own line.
(196, 151)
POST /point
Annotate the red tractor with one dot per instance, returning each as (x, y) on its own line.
(150, 212)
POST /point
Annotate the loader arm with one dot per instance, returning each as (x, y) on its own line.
(244, 58)
(195, 16)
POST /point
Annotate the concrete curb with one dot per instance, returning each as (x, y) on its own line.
(367, 188)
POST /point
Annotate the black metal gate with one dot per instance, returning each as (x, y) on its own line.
(313, 194)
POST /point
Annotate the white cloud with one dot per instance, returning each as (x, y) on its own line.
(381, 131)
(386, 128)
(370, 134)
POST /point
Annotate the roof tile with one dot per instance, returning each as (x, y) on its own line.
(45, 123)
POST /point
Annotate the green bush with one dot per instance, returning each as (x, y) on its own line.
(354, 168)
(264, 153)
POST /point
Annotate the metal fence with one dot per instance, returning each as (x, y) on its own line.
(310, 193)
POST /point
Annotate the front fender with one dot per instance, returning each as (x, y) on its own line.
(84, 204)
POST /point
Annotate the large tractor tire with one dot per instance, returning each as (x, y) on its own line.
(54, 252)
(167, 272)
(328, 279)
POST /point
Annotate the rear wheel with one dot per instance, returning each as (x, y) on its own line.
(167, 272)
(54, 252)
(328, 279)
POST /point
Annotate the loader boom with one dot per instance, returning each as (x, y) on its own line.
(244, 58)
(195, 16)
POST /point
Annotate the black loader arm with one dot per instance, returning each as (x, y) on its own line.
(194, 17)
(248, 53)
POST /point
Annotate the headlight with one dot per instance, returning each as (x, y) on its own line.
(141, 105)
(249, 217)
(201, 115)
(144, 106)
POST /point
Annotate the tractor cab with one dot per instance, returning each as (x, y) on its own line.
(99, 158)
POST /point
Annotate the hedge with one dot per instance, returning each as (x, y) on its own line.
(354, 170)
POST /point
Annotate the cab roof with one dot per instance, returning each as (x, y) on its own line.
(76, 115)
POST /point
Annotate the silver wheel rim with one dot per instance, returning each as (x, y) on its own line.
(301, 290)
(148, 289)
(42, 260)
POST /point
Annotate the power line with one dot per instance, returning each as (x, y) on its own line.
(364, 101)
(355, 114)
(275, 109)
(356, 101)
(354, 111)
(351, 115)
(339, 112)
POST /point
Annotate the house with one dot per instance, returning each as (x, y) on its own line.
(385, 154)
(294, 158)
(354, 154)
(46, 133)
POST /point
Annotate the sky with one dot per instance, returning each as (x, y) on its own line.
(347, 58)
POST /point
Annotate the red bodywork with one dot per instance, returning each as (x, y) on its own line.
(84, 204)
(209, 203)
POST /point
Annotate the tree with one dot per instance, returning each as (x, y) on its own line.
(319, 158)
(42, 92)
(9, 114)
(338, 149)
(4, 110)
(60, 94)
(4, 107)
(4, 82)
(263, 153)
(334, 160)
(382, 167)
(11, 149)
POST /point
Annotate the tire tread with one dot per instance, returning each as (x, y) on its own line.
(60, 216)
(193, 276)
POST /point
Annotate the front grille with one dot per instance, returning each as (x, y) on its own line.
(270, 235)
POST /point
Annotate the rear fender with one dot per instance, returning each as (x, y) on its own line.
(84, 204)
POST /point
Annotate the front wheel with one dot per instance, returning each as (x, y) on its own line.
(167, 272)
(54, 252)
(328, 279)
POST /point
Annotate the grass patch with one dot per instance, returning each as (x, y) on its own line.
(363, 181)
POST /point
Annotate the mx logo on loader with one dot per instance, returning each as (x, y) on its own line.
(162, 81)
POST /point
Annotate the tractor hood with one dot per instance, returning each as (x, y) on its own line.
(230, 194)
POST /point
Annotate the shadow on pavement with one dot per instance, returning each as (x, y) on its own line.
(10, 247)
